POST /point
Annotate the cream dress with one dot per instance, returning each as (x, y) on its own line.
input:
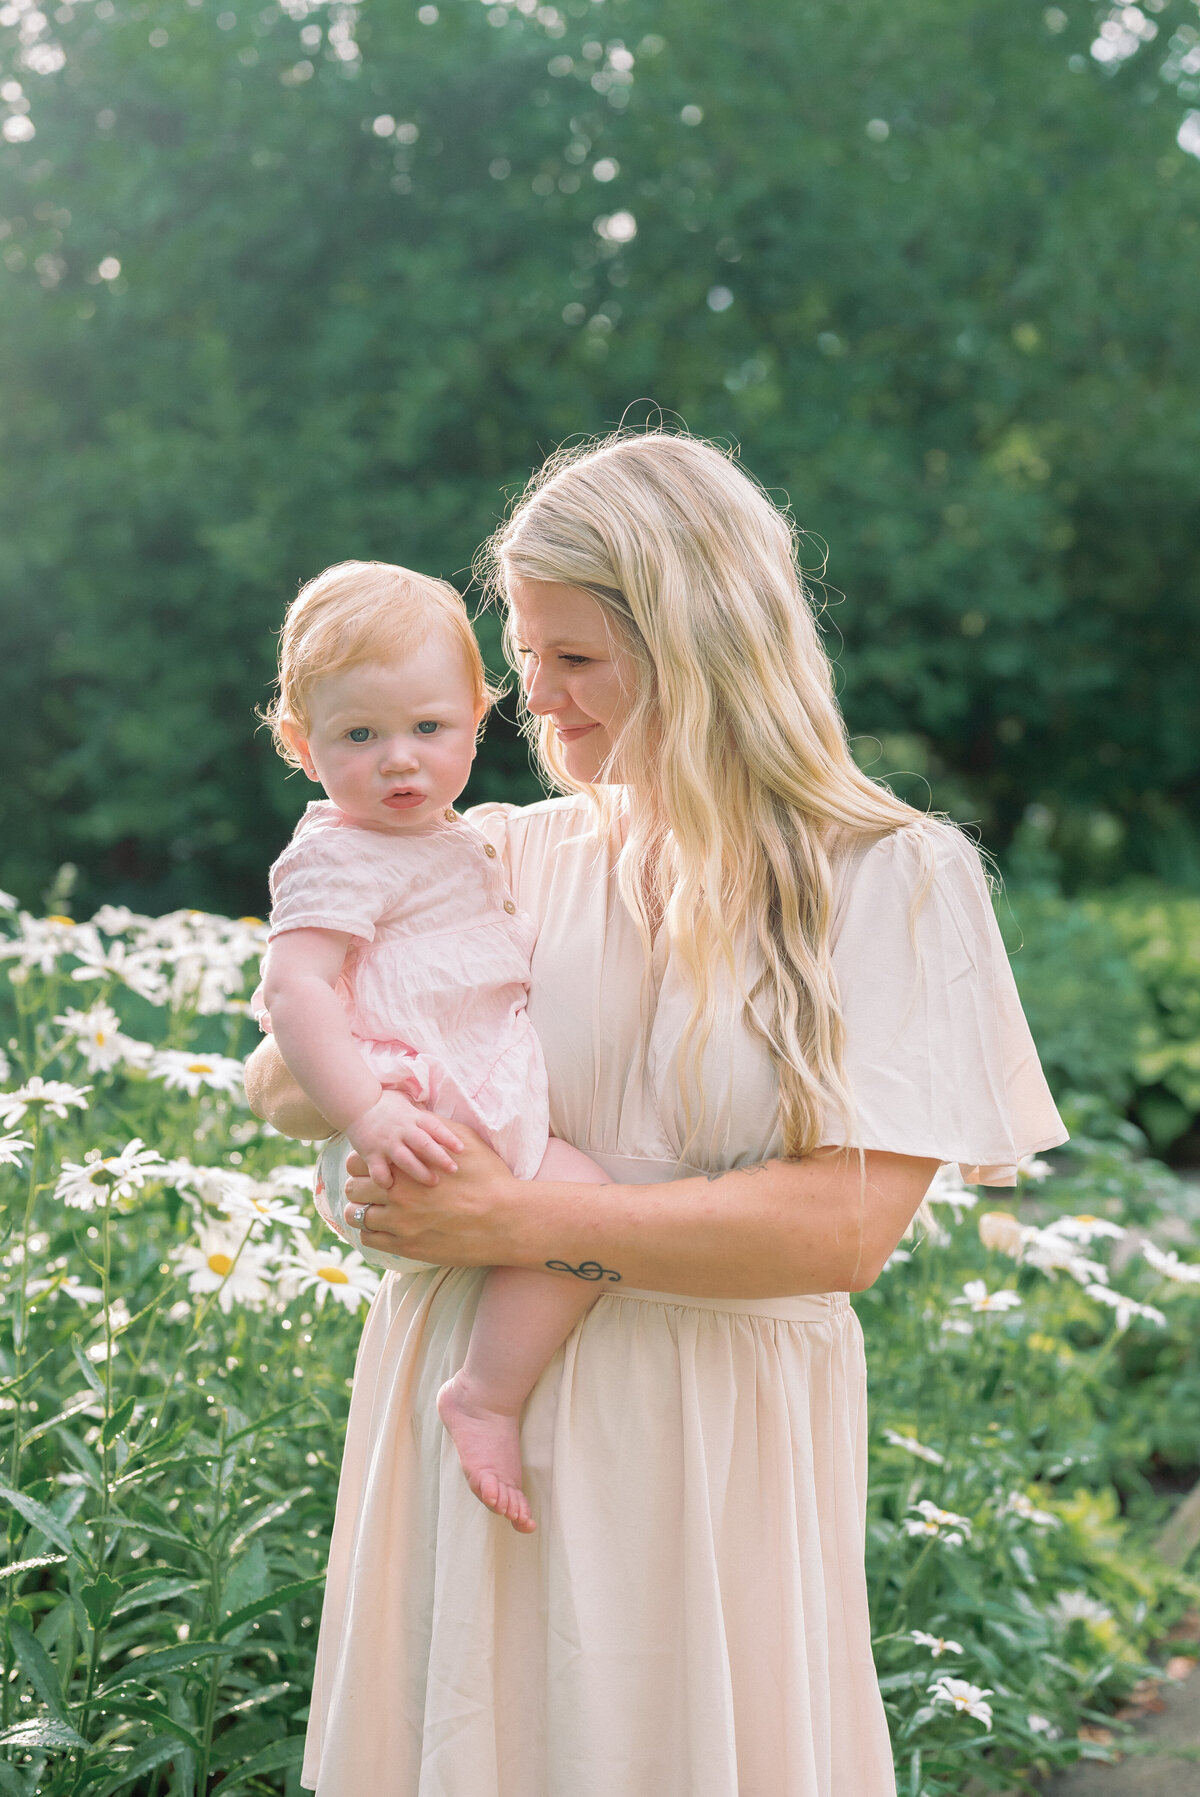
(690, 1618)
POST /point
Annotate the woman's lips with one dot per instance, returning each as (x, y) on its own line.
(574, 733)
(403, 801)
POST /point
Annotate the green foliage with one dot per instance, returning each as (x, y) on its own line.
(1111, 987)
(173, 1373)
(933, 267)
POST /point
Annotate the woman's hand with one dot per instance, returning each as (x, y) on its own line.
(456, 1223)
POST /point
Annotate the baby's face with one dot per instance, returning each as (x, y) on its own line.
(392, 742)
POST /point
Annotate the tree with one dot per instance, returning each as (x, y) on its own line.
(287, 286)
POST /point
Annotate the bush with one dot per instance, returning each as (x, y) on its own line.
(1111, 987)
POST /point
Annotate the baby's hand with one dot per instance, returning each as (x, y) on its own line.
(394, 1133)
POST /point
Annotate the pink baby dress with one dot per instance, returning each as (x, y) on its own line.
(437, 976)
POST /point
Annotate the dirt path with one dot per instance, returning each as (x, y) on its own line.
(1164, 1771)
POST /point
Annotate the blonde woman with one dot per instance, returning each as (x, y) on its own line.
(772, 999)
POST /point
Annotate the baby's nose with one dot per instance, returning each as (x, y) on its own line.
(399, 752)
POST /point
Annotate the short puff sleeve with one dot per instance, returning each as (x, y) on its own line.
(323, 881)
(939, 1060)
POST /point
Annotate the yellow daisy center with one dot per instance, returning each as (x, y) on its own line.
(334, 1275)
(100, 1038)
(199, 1066)
(221, 1264)
(56, 917)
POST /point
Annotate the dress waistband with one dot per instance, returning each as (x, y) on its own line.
(811, 1307)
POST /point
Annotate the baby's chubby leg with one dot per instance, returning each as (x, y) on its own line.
(524, 1317)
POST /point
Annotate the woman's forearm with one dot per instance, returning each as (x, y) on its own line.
(824, 1224)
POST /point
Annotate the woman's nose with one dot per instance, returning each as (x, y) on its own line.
(542, 694)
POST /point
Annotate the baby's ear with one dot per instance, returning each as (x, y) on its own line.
(297, 742)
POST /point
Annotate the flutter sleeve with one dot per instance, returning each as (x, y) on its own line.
(939, 1060)
(323, 881)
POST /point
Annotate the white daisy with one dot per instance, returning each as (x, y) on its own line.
(1076, 1606)
(911, 1445)
(98, 1036)
(42, 940)
(97, 1182)
(1126, 1308)
(1085, 1229)
(947, 1187)
(1170, 1266)
(133, 967)
(976, 1294)
(223, 1261)
(1030, 1168)
(327, 1272)
(257, 1201)
(12, 1147)
(186, 1070)
(54, 1094)
(940, 1525)
(967, 1699)
(937, 1644)
(1017, 1504)
(64, 1286)
(1042, 1725)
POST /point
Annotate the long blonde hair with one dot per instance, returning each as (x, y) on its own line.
(741, 784)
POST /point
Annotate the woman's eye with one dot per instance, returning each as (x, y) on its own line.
(427, 726)
(576, 661)
(360, 734)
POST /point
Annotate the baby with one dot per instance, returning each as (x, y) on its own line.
(397, 969)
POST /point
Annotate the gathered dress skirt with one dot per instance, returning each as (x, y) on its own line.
(690, 1618)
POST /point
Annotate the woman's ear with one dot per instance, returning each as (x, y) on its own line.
(298, 744)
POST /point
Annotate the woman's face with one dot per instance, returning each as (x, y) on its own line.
(574, 669)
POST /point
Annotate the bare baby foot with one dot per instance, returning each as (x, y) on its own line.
(489, 1449)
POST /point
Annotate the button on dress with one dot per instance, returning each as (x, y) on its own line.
(690, 1618)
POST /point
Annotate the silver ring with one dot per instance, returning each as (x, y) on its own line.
(358, 1215)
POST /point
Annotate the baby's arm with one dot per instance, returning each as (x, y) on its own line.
(314, 1036)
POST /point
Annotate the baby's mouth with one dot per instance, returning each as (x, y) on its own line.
(402, 797)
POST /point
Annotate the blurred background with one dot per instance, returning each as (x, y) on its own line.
(286, 284)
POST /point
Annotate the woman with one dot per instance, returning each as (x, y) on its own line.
(772, 1000)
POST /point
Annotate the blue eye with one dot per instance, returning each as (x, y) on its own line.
(427, 727)
(359, 735)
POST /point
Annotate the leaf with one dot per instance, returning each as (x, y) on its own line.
(11, 1782)
(143, 1759)
(263, 1694)
(275, 1600)
(272, 1758)
(19, 1566)
(264, 1422)
(100, 1599)
(41, 1519)
(42, 1732)
(79, 1402)
(88, 1370)
(38, 1668)
(269, 1515)
(153, 1591)
(146, 1712)
(169, 1659)
(118, 1422)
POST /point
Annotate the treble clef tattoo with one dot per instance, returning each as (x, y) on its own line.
(587, 1269)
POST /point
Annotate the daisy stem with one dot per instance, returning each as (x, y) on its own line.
(906, 1584)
